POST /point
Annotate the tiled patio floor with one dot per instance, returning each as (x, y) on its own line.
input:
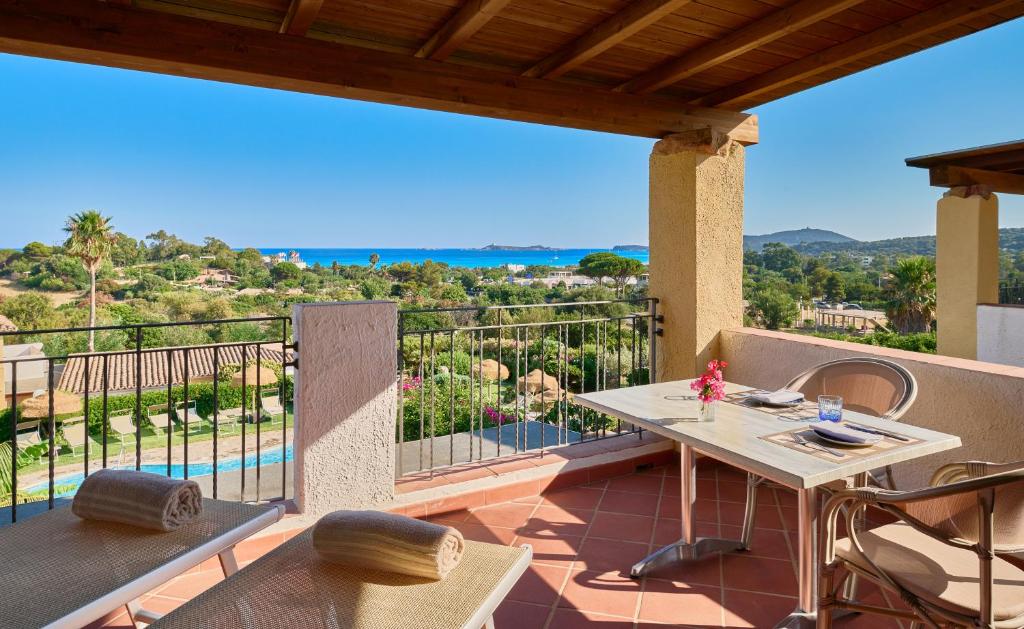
(585, 539)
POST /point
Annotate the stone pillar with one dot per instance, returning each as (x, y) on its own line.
(696, 240)
(967, 266)
(345, 402)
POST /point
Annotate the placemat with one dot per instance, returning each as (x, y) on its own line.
(803, 412)
(785, 439)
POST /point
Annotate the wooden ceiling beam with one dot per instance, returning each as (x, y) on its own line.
(608, 33)
(469, 19)
(953, 176)
(753, 36)
(301, 15)
(941, 17)
(100, 33)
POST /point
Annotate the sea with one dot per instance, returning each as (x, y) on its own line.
(453, 257)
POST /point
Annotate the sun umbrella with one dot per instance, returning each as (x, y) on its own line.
(63, 403)
(266, 376)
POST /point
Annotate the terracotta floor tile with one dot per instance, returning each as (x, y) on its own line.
(757, 574)
(765, 543)
(559, 521)
(513, 614)
(254, 548)
(728, 472)
(483, 533)
(621, 527)
(670, 531)
(572, 619)
(704, 571)
(628, 502)
(557, 550)
(637, 483)
(604, 555)
(665, 601)
(734, 491)
(574, 498)
(767, 515)
(744, 609)
(160, 604)
(540, 584)
(603, 592)
(190, 585)
(510, 515)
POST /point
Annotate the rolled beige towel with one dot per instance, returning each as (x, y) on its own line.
(140, 499)
(388, 542)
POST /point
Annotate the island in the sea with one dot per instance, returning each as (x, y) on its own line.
(630, 248)
(494, 247)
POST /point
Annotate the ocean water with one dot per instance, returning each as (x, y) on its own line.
(453, 257)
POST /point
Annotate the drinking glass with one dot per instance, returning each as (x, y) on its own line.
(830, 408)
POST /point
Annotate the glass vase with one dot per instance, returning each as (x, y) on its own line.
(706, 413)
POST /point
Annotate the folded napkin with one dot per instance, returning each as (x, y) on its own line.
(388, 542)
(782, 396)
(149, 501)
(840, 432)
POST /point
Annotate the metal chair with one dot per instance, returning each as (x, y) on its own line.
(944, 554)
(869, 385)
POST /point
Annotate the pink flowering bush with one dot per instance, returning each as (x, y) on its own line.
(710, 386)
(412, 384)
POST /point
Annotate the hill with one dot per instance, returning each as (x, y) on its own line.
(1010, 239)
(795, 237)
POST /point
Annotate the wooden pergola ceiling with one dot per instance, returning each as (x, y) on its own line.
(998, 167)
(638, 67)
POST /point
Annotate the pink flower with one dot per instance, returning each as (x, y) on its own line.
(710, 386)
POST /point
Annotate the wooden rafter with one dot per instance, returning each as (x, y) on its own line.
(942, 17)
(768, 29)
(100, 33)
(608, 33)
(470, 18)
(952, 176)
(301, 15)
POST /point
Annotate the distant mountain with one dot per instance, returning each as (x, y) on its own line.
(630, 248)
(494, 247)
(1010, 239)
(795, 237)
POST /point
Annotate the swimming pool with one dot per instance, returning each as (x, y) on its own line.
(68, 484)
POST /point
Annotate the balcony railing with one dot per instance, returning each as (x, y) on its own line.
(214, 411)
(1011, 293)
(485, 382)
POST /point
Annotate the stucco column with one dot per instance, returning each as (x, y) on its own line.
(696, 240)
(345, 399)
(967, 267)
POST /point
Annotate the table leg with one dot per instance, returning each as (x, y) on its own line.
(690, 547)
(806, 612)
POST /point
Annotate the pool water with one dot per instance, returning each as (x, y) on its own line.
(67, 485)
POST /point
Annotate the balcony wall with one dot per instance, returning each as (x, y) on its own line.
(999, 334)
(981, 402)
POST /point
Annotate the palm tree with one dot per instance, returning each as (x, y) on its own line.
(374, 259)
(90, 239)
(911, 295)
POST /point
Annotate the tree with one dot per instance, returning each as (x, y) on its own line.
(90, 239)
(374, 288)
(36, 250)
(215, 247)
(605, 264)
(778, 257)
(374, 259)
(835, 288)
(283, 271)
(774, 307)
(30, 311)
(910, 293)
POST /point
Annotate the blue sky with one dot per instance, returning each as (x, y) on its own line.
(258, 167)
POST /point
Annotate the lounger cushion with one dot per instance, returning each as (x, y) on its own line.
(937, 572)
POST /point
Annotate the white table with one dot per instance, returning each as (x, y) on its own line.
(735, 438)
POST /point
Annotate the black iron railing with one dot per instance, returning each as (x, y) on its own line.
(201, 410)
(1011, 293)
(485, 382)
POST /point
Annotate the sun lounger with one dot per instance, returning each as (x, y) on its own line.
(28, 436)
(61, 571)
(75, 433)
(159, 417)
(293, 587)
(271, 407)
(228, 417)
(187, 417)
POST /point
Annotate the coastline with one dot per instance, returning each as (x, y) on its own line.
(471, 258)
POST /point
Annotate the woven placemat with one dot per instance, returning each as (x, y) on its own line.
(803, 412)
(785, 439)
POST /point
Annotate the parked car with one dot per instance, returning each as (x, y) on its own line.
(847, 306)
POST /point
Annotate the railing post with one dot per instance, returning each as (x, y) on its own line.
(345, 403)
(652, 337)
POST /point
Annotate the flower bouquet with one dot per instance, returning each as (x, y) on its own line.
(710, 388)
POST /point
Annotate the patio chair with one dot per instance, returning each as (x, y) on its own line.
(868, 385)
(229, 418)
(270, 404)
(159, 416)
(75, 432)
(62, 571)
(187, 417)
(944, 555)
(27, 436)
(332, 596)
(121, 424)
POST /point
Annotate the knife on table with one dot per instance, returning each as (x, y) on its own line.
(876, 431)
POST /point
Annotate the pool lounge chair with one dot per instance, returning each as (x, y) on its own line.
(75, 433)
(187, 418)
(61, 571)
(270, 406)
(292, 587)
(159, 418)
(28, 436)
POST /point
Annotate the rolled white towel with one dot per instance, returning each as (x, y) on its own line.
(388, 542)
(149, 501)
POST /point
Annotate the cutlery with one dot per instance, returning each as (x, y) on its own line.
(876, 431)
(801, 440)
